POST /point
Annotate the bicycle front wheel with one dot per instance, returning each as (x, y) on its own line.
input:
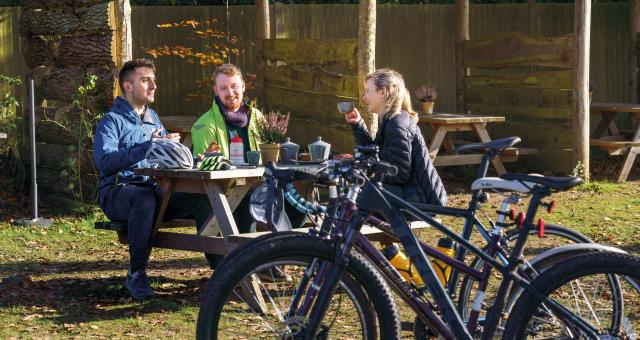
(581, 286)
(252, 294)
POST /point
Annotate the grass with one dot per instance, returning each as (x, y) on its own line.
(66, 281)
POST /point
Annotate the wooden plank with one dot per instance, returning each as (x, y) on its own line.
(197, 174)
(522, 97)
(316, 79)
(549, 159)
(516, 110)
(535, 135)
(190, 242)
(614, 107)
(514, 49)
(180, 124)
(542, 80)
(456, 118)
(306, 105)
(313, 51)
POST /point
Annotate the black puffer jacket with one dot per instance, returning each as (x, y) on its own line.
(401, 144)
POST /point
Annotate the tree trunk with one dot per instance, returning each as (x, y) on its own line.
(263, 31)
(57, 22)
(89, 50)
(582, 34)
(634, 20)
(39, 51)
(462, 35)
(366, 52)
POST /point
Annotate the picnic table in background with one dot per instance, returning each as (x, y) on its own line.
(614, 141)
(180, 124)
(443, 123)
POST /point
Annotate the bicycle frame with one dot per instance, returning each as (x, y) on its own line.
(382, 201)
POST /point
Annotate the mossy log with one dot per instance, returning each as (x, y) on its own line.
(40, 51)
(59, 157)
(89, 50)
(53, 22)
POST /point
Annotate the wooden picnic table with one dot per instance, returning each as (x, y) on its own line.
(180, 124)
(608, 137)
(443, 123)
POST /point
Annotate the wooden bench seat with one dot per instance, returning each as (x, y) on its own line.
(614, 145)
(371, 233)
(121, 227)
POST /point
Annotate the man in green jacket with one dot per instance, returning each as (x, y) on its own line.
(229, 115)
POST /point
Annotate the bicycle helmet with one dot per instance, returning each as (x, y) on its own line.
(167, 154)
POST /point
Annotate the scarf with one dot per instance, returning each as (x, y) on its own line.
(238, 119)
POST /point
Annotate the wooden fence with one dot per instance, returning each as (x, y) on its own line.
(416, 40)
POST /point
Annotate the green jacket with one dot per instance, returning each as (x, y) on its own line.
(211, 126)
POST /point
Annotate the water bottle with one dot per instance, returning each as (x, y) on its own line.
(236, 150)
(443, 271)
(401, 262)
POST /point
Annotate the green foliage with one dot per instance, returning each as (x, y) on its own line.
(8, 105)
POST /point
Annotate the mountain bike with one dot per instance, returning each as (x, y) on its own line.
(321, 284)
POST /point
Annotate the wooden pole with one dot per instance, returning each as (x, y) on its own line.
(122, 41)
(462, 34)
(582, 37)
(533, 16)
(366, 52)
(634, 20)
(263, 32)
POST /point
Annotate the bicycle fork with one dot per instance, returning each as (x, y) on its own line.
(330, 283)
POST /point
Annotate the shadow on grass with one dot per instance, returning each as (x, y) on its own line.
(36, 268)
(95, 299)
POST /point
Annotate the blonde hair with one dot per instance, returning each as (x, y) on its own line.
(395, 94)
(228, 70)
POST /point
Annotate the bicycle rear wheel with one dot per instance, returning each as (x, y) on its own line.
(555, 236)
(274, 266)
(581, 285)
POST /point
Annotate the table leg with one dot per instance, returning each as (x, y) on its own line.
(481, 131)
(631, 157)
(221, 209)
(166, 187)
(605, 125)
(224, 215)
(436, 141)
(211, 227)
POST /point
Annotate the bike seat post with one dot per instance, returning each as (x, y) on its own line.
(484, 163)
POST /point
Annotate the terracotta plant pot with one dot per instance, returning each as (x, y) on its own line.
(269, 152)
(427, 107)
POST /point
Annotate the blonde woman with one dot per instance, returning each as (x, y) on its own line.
(399, 139)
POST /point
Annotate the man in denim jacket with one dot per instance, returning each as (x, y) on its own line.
(122, 138)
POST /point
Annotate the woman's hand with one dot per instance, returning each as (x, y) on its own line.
(173, 136)
(353, 117)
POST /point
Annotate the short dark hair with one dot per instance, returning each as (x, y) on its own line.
(130, 67)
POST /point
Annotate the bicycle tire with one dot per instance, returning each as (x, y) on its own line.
(588, 265)
(365, 287)
(466, 288)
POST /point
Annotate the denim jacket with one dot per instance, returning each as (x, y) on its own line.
(120, 145)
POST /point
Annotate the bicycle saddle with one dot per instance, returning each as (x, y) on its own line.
(558, 183)
(497, 144)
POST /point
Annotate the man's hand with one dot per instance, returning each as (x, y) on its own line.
(173, 136)
(353, 117)
(213, 147)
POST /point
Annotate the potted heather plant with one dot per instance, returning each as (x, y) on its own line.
(427, 96)
(272, 130)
